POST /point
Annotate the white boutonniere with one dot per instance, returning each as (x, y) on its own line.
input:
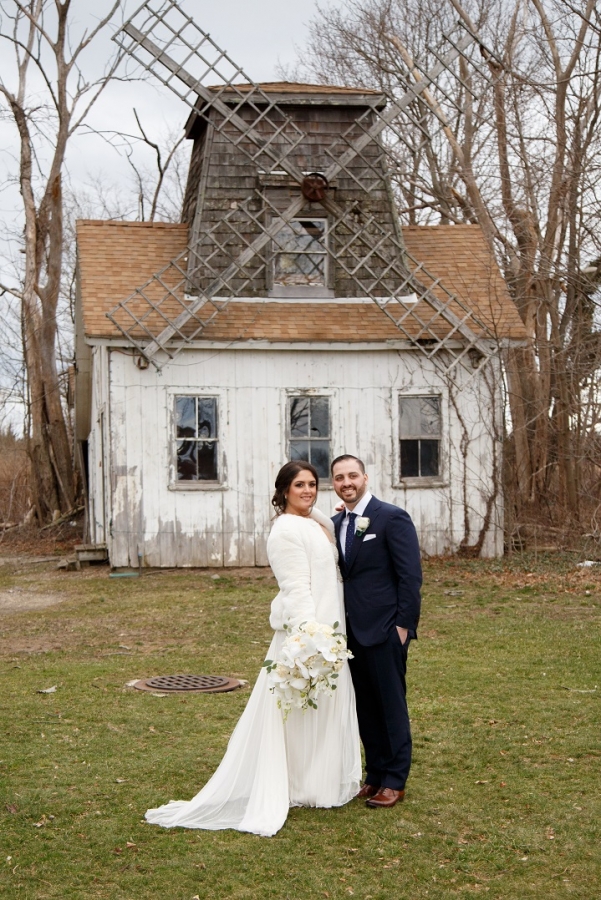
(361, 526)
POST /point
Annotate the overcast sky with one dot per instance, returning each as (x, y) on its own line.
(257, 34)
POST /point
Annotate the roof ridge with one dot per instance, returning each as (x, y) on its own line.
(295, 87)
(129, 223)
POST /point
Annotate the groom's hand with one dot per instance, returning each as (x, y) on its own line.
(403, 633)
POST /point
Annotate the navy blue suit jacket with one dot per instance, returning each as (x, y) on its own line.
(382, 575)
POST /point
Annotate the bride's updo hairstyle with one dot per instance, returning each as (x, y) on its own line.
(284, 479)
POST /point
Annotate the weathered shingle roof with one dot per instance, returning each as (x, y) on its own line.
(459, 256)
(294, 87)
(115, 258)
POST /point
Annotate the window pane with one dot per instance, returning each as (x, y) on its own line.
(320, 457)
(429, 457)
(409, 459)
(299, 450)
(207, 460)
(410, 415)
(302, 235)
(320, 417)
(299, 268)
(285, 270)
(186, 461)
(314, 234)
(312, 265)
(185, 416)
(300, 253)
(430, 415)
(207, 417)
(299, 417)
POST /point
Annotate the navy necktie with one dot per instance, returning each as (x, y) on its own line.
(350, 534)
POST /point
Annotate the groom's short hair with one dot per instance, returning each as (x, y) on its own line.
(348, 456)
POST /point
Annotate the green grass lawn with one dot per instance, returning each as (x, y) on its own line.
(504, 693)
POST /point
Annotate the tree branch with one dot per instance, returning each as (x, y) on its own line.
(5, 289)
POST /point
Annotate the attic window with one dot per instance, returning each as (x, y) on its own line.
(420, 436)
(300, 253)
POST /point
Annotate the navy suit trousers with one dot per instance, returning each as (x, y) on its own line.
(378, 674)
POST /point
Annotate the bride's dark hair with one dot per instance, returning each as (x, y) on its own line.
(284, 479)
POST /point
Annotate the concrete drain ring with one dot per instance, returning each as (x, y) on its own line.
(174, 684)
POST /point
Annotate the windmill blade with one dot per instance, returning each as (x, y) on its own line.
(180, 35)
(172, 309)
(429, 322)
(167, 42)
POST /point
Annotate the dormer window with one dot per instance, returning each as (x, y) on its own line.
(300, 254)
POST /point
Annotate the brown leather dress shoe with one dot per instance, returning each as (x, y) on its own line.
(385, 798)
(368, 790)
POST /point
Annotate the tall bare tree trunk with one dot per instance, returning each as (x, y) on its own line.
(42, 39)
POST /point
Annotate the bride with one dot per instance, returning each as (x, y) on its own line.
(312, 758)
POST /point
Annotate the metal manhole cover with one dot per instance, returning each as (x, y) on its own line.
(208, 684)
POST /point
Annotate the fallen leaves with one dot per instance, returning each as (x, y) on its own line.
(43, 821)
(129, 845)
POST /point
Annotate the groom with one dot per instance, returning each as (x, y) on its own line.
(380, 565)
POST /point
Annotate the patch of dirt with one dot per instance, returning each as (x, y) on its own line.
(17, 600)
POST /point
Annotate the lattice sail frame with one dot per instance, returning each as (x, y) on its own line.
(171, 310)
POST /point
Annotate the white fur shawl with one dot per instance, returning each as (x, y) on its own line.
(303, 561)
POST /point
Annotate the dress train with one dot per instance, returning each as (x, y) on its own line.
(310, 760)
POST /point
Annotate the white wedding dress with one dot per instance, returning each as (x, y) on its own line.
(312, 759)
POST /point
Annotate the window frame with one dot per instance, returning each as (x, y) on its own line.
(176, 484)
(322, 290)
(311, 394)
(419, 481)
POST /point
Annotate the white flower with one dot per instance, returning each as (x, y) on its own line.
(310, 659)
(361, 525)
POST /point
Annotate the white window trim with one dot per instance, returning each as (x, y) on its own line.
(222, 417)
(419, 482)
(332, 396)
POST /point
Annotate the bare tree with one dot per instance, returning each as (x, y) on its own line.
(47, 96)
(523, 160)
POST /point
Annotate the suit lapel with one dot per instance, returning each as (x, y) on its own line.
(337, 520)
(371, 511)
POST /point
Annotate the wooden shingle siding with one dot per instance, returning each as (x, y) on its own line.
(231, 178)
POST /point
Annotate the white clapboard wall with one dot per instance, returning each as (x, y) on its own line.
(144, 515)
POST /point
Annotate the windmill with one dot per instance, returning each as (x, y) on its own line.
(227, 259)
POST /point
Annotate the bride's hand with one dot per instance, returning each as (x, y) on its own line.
(339, 507)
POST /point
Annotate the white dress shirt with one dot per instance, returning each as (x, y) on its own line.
(358, 510)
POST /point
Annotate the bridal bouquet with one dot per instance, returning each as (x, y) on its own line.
(311, 657)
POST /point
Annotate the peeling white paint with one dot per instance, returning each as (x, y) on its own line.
(228, 524)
